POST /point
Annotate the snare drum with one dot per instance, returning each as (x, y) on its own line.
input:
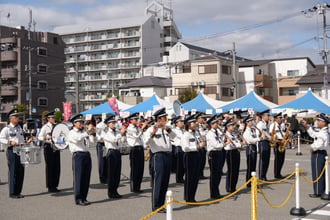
(29, 154)
(59, 135)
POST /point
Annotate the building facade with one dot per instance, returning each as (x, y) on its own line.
(47, 70)
(102, 56)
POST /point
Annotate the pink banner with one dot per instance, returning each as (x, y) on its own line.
(113, 104)
(67, 110)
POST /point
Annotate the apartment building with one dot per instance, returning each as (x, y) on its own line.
(47, 68)
(102, 56)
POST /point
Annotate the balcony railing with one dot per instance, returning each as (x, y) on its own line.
(264, 81)
(9, 73)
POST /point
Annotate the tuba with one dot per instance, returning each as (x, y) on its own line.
(286, 139)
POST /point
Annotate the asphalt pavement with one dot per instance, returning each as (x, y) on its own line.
(39, 204)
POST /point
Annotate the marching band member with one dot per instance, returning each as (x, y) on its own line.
(81, 159)
(251, 136)
(12, 136)
(217, 155)
(202, 129)
(102, 160)
(318, 152)
(264, 147)
(279, 156)
(191, 142)
(157, 137)
(52, 156)
(112, 138)
(134, 140)
(179, 130)
(232, 144)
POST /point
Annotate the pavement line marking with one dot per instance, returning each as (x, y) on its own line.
(321, 212)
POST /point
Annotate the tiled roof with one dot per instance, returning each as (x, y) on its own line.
(315, 76)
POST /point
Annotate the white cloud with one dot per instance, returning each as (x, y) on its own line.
(196, 18)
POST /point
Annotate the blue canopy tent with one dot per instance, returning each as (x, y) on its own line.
(199, 103)
(309, 101)
(249, 101)
(147, 105)
(100, 109)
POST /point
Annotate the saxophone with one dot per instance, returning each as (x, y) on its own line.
(273, 138)
(286, 139)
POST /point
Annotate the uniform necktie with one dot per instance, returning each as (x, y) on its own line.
(164, 136)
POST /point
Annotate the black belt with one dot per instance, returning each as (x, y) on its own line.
(320, 152)
(81, 152)
(137, 146)
(163, 152)
(216, 150)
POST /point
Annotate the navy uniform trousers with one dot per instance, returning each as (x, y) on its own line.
(81, 166)
(53, 166)
(202, 152)
(317, 162)
(233, 162)
(136, 157)
(102, 163)
(114, 171)
(161, 170)
(278, 161)
(15, 172)
(173, 165)
(192, 168)
(179, 164)
(216, 162)
(264, 149)
(251, 160)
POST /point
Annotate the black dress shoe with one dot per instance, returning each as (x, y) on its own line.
(86, 202)
(162, 211)
(263, 178)
(54, 190)
(216, 197)
(279, 177)
(80, 202)
(203, 177)
(19, 196)
(190, 200)
(115, 196)
(314, 195)
(138, 191)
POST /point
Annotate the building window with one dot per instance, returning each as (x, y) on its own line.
(42, 84)
(292, 92)
(42, 101)
(55, 40)
(42, 68)
(210, 90)
(42, 51)
(203, 69)
(227, 92)
(226, 69)
(293, 73)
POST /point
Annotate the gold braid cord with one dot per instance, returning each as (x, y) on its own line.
(278, 181)
(284, 202)
(317, 179)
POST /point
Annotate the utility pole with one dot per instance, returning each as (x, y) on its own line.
(235, 84)
(321, 9)
(0, 72)
(30, 72)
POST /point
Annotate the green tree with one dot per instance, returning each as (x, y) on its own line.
(187, 95)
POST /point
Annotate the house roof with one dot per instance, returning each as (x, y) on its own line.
(148, 81)
(314, 77)
(249, 63)
(212, 52)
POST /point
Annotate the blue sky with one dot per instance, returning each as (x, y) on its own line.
(197, 20)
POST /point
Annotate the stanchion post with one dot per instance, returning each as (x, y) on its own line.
(254, 194)
(299, 150)
(326, 194)
(169, 207)
(298, 211)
